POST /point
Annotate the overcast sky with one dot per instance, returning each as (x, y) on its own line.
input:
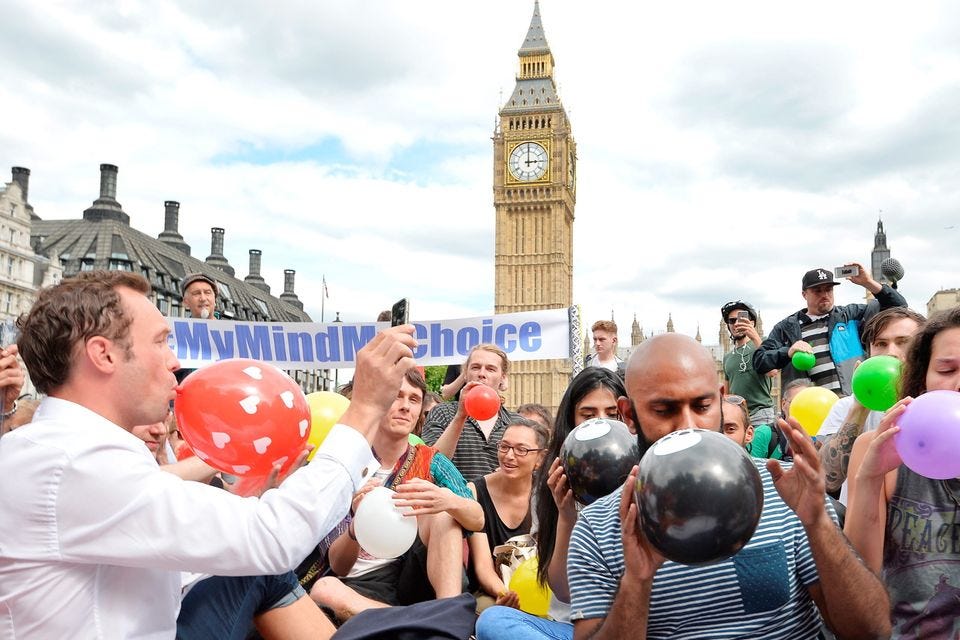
(723, 148)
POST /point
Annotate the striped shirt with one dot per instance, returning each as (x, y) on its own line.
(475, 455)
(814, 331)
(761, 592)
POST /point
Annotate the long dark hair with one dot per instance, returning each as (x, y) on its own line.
(914, 379)
(590, 379)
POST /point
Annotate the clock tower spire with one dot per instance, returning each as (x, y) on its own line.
(534, 194)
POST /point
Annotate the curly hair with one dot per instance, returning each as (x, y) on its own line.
(68, 314)
(913, 381)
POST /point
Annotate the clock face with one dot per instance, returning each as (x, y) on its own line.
(528, 161)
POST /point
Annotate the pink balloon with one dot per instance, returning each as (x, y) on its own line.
(929, 438)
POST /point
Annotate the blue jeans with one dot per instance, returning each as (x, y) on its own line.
(224, 607)
(506, 623)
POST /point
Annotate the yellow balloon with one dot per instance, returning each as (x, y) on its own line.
(326, 407)
(811, 406)
(534, 599)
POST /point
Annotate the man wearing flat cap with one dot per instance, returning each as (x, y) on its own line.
(200, 295)
(829, 332)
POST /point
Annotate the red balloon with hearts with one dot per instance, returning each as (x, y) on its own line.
(242, 416)
(481, 402)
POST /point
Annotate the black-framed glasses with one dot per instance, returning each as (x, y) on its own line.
(732, 320)
(518, 449)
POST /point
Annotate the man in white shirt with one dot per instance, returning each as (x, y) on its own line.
(605, 342)
(94, 535)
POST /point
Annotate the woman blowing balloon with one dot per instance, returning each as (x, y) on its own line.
(902, 523)
(592, 394)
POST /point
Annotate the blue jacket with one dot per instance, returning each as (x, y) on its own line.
(844, 327)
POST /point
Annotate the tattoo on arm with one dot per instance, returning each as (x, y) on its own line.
(835, 454)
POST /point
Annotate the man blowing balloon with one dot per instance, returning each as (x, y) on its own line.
(94, 535)
(796, 568)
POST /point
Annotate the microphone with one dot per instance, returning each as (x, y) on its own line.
(892, 270)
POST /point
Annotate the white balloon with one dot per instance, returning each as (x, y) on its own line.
(381, 528)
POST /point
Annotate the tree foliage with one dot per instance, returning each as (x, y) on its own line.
(434, 376)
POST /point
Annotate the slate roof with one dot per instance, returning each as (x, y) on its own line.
(111, 244)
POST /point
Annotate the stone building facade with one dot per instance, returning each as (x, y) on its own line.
(22, 270)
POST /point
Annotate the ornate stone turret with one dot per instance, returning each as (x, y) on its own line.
(636, 332)
(880, 253)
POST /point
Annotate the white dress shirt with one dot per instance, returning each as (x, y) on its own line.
(93, 535)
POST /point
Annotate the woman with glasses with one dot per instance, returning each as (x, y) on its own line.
(504, 496)
(592, 394)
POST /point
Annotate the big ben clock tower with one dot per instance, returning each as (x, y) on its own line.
(534, 193)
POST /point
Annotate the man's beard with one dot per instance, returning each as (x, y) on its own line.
(204, 313)
(645, 444)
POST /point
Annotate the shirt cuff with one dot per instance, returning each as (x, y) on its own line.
(345, 446)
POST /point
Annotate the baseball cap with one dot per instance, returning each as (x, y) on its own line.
(816, 277)
(194, 277)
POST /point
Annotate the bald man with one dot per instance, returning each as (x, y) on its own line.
(796, 567)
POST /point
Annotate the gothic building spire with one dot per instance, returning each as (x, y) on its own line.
(880, 253)
(535, 89)
(536, 40)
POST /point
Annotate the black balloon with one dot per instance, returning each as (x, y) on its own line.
(699, 496)
(597, 457)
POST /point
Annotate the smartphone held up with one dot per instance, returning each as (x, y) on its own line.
(847, 271)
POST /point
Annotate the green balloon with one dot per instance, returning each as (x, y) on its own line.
(415, 439)
(803, 361)
(875, 382)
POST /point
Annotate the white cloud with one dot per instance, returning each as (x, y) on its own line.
(723, 148)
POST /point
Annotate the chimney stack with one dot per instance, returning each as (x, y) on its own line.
(216, 257)
(106, 206)
(288, 295)
(171, 224)
(254, 278)
(21, 175)
(108, 181)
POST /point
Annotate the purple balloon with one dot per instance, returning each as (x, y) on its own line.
(929, 438)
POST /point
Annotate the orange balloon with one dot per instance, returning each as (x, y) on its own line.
(481, 402)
